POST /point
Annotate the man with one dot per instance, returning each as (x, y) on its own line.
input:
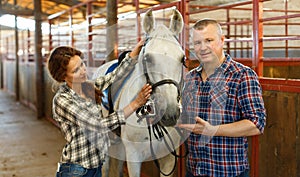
(222, 105)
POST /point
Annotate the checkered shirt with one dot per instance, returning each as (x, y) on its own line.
(231, 94)
(83, 124)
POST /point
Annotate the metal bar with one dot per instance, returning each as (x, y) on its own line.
(138, 19)
(73, 7)
(286, 30)
(281, 38)
(264, 39)
(280, 17)
(291, 23)
(228, 30)
(241, 22)
(161, 6)
(71, 35)
(235, 44)
(184, 8)
(222, 7)
(89, 37)
(50, 35)
(257, 65)
(257, 26)
(272, 61)
(241, 43)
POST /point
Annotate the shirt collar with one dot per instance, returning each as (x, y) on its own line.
(65, 88)
(223, 67)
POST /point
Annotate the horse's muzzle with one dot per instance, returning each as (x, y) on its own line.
(170, 118)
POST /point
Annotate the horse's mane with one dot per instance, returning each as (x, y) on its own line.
(117, 88)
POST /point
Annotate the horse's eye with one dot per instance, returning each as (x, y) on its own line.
(148, 59)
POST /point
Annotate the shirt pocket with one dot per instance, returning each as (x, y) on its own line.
(218, 101)
(219, 97)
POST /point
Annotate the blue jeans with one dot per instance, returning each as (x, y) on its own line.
(74, 170)
(244, 174)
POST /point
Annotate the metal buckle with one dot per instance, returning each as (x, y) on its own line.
(148, 109)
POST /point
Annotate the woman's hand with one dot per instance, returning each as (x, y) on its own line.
(139, 101)
(135, 52)
(143, 96)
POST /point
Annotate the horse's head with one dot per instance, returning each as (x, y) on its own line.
(162, 58)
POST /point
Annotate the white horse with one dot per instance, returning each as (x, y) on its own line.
(150, 134)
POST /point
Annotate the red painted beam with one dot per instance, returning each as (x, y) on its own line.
(257, 65)
(272, 61)
(280, 84)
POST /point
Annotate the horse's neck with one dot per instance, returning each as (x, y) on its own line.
(128, 87)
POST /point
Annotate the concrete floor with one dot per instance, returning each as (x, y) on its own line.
(29, 147)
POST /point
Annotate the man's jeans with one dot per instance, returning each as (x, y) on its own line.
(244, 174)
(74, 170)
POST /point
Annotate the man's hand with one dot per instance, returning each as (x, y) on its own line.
(201, 127)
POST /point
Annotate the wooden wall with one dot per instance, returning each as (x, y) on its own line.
(279, 145)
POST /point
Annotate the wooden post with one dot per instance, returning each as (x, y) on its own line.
(1, 58)
(17, 82)
(111, 30)
(40, 91)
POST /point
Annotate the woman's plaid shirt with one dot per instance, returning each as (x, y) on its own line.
(231, 94)
(82, 122)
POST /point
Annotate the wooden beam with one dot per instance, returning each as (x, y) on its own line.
(40, 83)
(16, 12)
(67, 3)
(17, 81)
(112, 30)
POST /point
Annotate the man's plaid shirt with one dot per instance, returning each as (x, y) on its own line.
(231, 94)
(82, 122)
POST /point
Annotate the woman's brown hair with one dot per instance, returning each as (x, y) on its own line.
(58, 61)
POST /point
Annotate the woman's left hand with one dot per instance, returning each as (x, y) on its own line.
(143, 95)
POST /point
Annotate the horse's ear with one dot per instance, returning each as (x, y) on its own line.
(148, 22)
(176, 24)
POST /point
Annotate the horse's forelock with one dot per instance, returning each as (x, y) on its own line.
(163, 37)
(161, 31)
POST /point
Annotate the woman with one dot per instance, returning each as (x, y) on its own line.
(77, 109)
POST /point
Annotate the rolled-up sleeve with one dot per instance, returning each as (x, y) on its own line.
(251, 100)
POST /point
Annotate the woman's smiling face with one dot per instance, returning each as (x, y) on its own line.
(76, 71)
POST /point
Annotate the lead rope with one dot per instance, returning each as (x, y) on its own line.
(153, 154)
